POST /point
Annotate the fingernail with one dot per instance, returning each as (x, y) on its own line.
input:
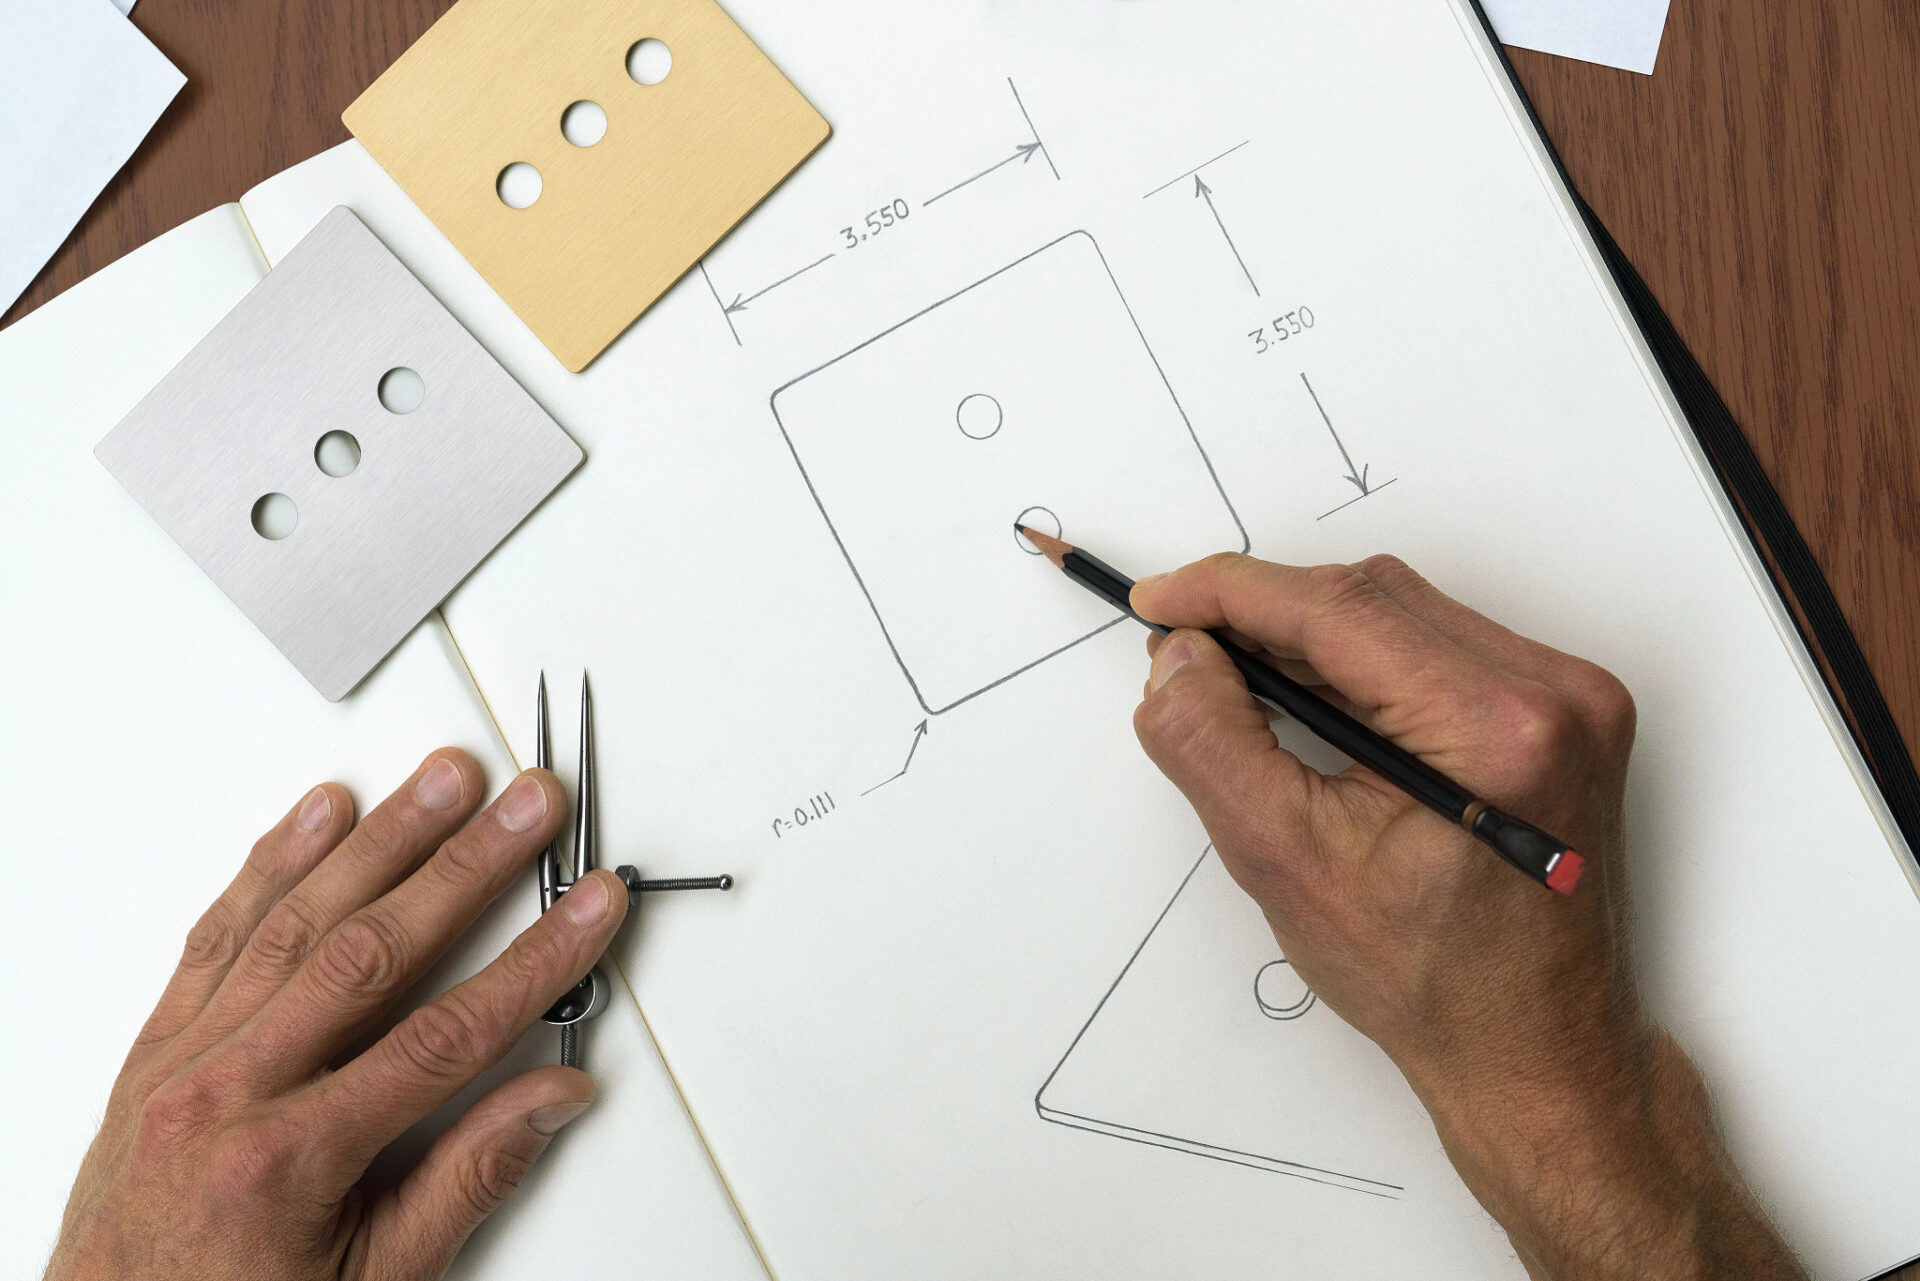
(314, 810)
(1172, 657)
(1149, 580)
(524, 804)
(549, 1119)
(586, 902)
(439, 787)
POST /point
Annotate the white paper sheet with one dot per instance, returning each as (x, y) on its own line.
(152, 734)
(863, 1027)
(80, 86)
(1614, 33)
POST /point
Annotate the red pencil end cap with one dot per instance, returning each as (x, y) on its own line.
(1566, 872)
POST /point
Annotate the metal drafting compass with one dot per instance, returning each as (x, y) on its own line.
(590, 996)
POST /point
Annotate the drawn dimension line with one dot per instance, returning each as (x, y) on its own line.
(1196, 169)
(721, 304)
(1048, 155)
(1024, 153)
(740, 301)
(740, 304)
(1202, 191)
(1351, 501)
(1356, 476)
(919, 732)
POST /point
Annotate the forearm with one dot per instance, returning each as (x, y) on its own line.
(1618, 1174)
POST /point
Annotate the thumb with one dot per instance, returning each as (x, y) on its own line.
(1212, 740)
(419, 1225)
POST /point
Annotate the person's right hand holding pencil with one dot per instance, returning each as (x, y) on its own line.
(1577, 1121)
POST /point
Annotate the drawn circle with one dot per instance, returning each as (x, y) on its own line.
(649, 61)
(402, 390)
(337, 454)
(274, 516)
(583, 123)
(518, 185)
(1280, 993)
(1040, 520)
(979, 416)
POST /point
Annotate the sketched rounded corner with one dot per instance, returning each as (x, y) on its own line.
(773, 403)
(1173, 1142)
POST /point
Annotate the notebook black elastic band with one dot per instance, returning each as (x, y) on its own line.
(1790, 563)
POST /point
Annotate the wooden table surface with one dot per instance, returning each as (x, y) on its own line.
(1765, 180)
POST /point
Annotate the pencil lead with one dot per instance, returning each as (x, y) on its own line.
(1052, 548)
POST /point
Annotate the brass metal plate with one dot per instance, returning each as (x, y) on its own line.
(616, 223)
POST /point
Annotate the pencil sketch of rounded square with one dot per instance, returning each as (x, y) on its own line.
(1030, 396)
(401, 451)
(1207, 1044)
(699, 126)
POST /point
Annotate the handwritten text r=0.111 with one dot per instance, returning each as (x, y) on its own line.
(813, 810)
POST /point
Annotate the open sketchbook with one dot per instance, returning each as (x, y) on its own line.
(1179, 277)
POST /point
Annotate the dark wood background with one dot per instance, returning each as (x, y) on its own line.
(1763, 179)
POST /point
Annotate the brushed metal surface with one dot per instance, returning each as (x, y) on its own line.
(616, 223)
(374, 551)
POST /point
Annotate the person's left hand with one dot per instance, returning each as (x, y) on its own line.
(235, 1142)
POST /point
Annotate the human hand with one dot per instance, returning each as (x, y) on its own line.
(235, 1140)
(1512, 1011)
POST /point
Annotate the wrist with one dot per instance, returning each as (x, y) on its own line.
(1608, 1166)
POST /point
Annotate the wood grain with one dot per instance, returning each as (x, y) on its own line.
(265, 87)
(1765, 180)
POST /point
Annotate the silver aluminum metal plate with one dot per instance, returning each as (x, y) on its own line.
(374, 550)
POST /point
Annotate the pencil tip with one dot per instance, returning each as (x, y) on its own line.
(1052, 548)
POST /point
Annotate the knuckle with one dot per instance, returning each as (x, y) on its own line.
(362, 954)
(1540, 728)
(1388, 570)
(442, 1039)
(1606, 700)
(286, 936)
(377, 843)
(467, 858)
(1332, 587)
(535, 958)
(491, 1177)
(174, 1116)
(270, 858)
(1335, 595)
(1176, 720)
(251, 1162)
(1225, 562)
(1162, 718)
(215, 939)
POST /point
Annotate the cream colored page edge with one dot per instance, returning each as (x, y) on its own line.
(457, 658)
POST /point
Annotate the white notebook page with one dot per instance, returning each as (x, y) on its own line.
(155, 734)
(863, 1027)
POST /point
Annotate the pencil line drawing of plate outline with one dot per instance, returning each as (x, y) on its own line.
(1246, 543)
(1174, 1142)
